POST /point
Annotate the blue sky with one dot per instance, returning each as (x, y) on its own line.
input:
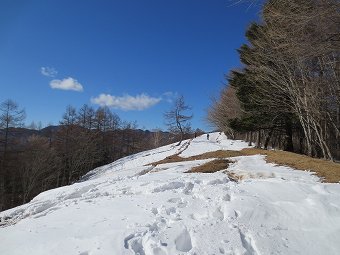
(134, 56)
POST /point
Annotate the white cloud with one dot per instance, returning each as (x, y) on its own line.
(66, 84)
(48, 71)
(170, 96)
(126, 102)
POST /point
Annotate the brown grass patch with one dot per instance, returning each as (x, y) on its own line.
(207, 155)
(328, 171)
(218, 154)
(170, 159)
(211, 167)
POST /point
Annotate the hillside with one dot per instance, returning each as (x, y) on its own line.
(132, 206)
(33, 161)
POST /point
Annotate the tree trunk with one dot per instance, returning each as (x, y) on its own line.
(258, 143)
(269, 135)
(288, 145)
(250, 138)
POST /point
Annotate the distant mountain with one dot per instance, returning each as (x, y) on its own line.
(24, 133)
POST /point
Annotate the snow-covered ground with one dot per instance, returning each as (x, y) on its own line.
(130, 207)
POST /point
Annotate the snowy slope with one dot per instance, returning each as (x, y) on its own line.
(129, 207)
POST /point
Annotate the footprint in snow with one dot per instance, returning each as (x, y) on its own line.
(133, 242)
(170, 210)
(218, 214)
(175, 200)
(226, 197)
(169, 186)
(183, 241)
(248, 243)
(218, 181)
(180, 202)
(154, 211)
(188, 188)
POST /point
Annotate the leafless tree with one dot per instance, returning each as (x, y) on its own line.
(10, 116)
(224, 109)
(86, 116)
(69, 117)
(176, 119)
(156, 137)
(292, 68)
(39, 166)
(302, 38)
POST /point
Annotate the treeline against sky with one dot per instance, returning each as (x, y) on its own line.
(32, 161)
(287, 93)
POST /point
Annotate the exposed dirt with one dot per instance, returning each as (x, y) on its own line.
(211, 166)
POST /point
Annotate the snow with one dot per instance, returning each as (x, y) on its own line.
(216, 141)
(130, 207)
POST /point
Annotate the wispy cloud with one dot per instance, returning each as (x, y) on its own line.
(66, 84)
(169, 96)
(48, 71)
(126, 102)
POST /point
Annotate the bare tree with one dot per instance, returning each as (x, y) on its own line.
(39, 167)
(176, 119)
(69, 117)
(289, 85)
(292, 73)
(224, 110)
(106, 120)
(156, 137)
(85, 116)
(10, 116)
(302, 38)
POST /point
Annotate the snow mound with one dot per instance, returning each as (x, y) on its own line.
(132, 207)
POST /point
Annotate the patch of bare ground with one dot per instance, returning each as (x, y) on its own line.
(211, 166)
(169, 159)
(328, 171)
(218, 154)
(208, 155)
